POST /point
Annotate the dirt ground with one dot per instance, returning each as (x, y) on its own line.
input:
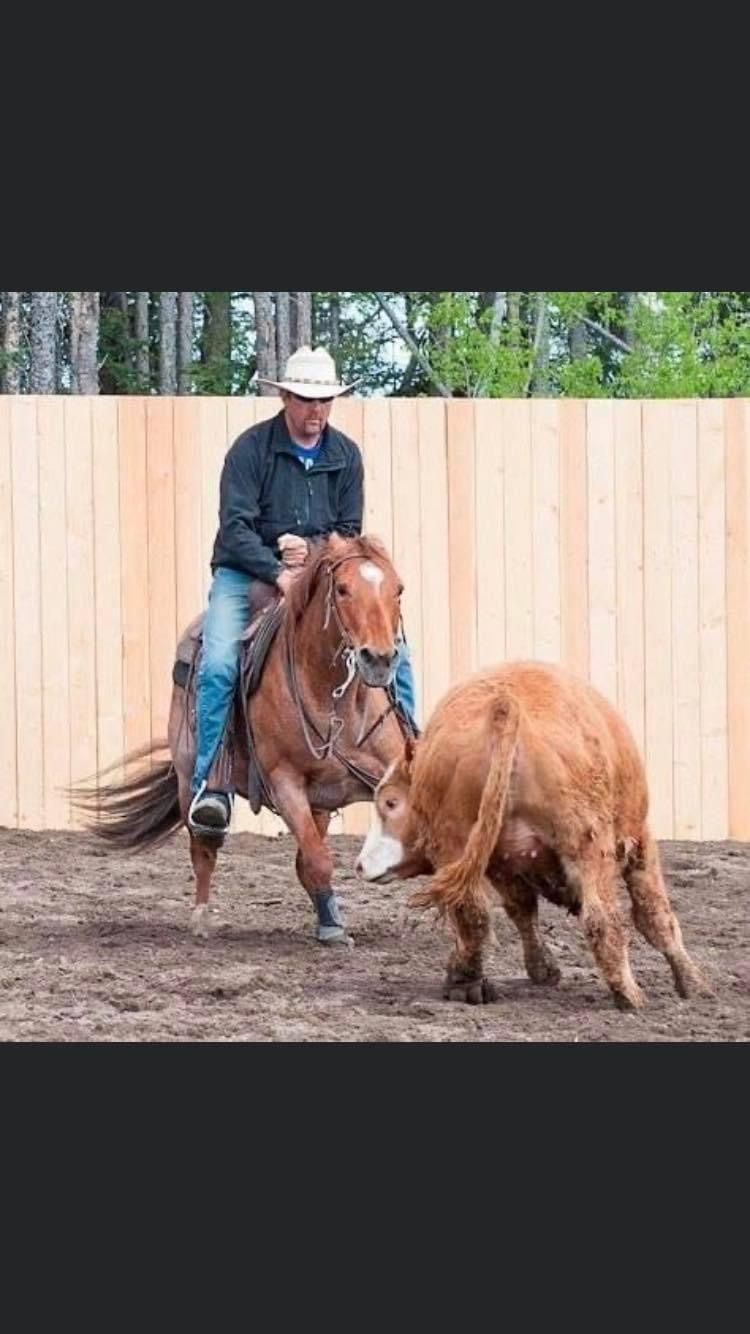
(95, 946)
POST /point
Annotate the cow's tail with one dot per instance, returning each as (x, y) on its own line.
(460, 884)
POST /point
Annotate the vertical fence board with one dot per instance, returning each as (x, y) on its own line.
(54, 576)
(28, 612)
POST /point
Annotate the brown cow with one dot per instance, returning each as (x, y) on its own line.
(527, 776)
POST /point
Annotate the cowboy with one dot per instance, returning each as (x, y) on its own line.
(285, 480)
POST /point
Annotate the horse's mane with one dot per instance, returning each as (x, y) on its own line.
(303, 589)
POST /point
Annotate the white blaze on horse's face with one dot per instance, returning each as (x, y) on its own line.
(371, 573)
(375, 651)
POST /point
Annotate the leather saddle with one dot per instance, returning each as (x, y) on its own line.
(235, 766)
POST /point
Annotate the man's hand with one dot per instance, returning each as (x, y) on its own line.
(286, 579)
(293, 550)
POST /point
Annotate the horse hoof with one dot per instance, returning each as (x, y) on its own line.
(199, 922)
(333, 935)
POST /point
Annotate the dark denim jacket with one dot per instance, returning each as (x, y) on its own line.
(265, 491)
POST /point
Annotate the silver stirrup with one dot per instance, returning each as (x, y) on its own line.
(219, 804)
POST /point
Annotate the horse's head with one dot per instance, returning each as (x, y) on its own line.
(361, 594)
(364, 597)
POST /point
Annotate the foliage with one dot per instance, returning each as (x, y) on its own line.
(474, 344)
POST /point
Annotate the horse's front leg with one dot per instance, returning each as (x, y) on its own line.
(314, 862)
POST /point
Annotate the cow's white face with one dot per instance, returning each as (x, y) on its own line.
(384, 851)
(380, 854)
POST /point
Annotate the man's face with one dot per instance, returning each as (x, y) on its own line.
(306, 417)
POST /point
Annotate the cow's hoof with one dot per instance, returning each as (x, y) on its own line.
(479, 992)
(544, 972)
(690, 983)
(632, 999)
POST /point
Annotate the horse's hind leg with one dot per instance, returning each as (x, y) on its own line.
(203, 853)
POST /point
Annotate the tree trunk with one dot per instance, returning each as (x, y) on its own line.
(577, 341)
(629, 299)
(184, 341)
(62, 339)
(265, 340)
(304, 319)
(335, 327)
(10, 380)
(412, 345)
(540, 362)
(142, 358)
(514, 310)
(497, 302)
(43, 342)
(84, 342)
(283, 344)
(167, 342)
(440, 329)
(499, 310)
(216, 340)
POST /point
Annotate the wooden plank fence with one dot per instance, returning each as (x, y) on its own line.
(613, 536)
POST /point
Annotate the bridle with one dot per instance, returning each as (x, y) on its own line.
(326, 747)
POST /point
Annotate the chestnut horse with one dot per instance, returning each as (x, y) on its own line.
(322, 725)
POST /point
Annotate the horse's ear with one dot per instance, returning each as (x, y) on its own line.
(336, 543)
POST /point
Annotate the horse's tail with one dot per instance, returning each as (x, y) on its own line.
(460, 883)
(138, 812)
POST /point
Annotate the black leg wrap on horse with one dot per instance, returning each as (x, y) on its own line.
(327, 908)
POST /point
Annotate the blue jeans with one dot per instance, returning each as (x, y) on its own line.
(227, 617)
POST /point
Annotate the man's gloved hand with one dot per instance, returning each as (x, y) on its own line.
(293, 550)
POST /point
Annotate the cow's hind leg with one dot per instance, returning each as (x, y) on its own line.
(203, 854)
(654, 918)
(465, 980)
(520, 903)
(594, 876)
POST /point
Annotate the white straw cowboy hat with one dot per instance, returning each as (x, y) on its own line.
(310, 374)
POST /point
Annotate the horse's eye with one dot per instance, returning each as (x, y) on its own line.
(342, 590)
(390, 803)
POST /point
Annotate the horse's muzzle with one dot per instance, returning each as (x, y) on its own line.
(376, 669)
